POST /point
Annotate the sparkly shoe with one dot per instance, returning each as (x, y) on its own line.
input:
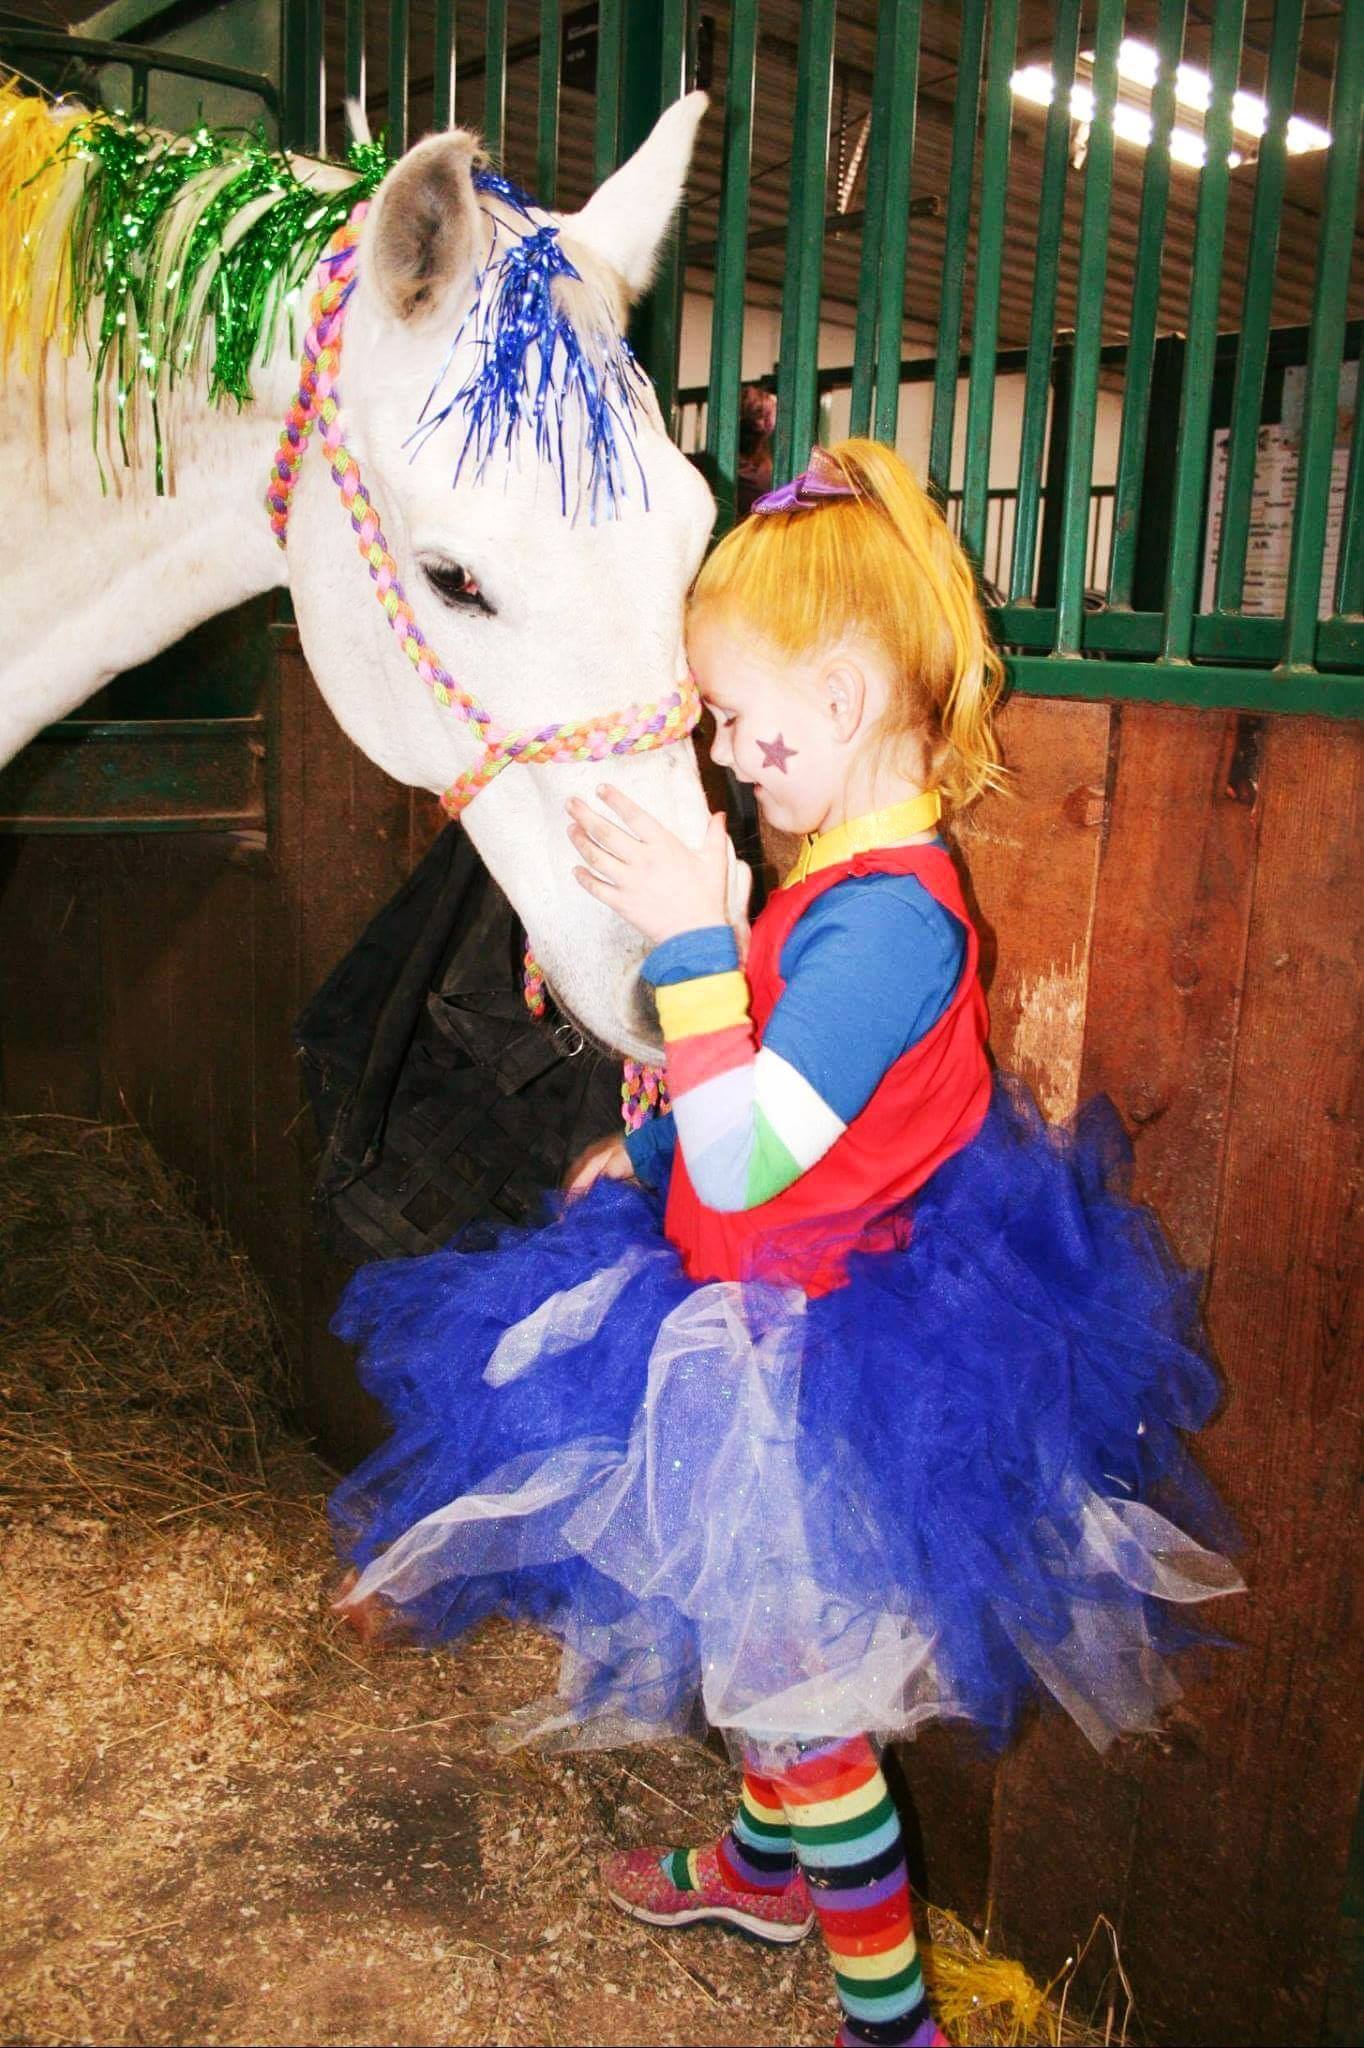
(634, 1880)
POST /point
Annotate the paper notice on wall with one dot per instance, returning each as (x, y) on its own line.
(1271, 513)
(1271, 522)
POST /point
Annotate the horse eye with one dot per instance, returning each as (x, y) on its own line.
(454, 586)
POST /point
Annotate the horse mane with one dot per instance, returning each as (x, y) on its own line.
(33, 180)
(167, 258)
(161, 255)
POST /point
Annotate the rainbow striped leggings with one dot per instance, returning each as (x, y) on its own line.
(830, 1812)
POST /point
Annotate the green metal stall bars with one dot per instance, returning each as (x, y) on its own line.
(1096, 582)
(1077, 618)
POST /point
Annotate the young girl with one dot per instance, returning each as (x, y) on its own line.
(848, 1395)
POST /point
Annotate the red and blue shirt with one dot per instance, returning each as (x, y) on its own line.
(815, 1087)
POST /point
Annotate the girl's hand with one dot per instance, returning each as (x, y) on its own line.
(370, 1619)
(607, 1156)
(645, 873)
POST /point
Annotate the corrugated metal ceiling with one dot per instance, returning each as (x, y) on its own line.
(779, 33)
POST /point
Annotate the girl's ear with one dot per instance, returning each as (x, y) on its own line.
(845, 697)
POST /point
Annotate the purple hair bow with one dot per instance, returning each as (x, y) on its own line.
(821, 480)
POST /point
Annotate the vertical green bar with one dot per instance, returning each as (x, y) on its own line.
(1205, 291)
(610, 49)
(994, 179)
(1141, 325)
(355, 50)
(731, 242)
(673, 52)
(665, 299)
(315, 80)
(398, 31)
(1253, 352)
(1089, 294)
(495, 78)
(443, 87)
(547, 118)
(965, 108)
(797, 370)
(1051, 204)
(873, 219)
(890, 316)
(1350, 564)
(1325, 348)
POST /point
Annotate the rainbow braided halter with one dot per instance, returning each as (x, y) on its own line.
(637, 730)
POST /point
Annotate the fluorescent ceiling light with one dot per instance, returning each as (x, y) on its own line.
(1138, 66)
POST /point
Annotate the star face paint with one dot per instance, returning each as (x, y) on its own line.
(776, 753)
(772, 725)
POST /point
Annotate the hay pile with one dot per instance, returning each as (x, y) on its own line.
(139, 1368)
(220, 1820)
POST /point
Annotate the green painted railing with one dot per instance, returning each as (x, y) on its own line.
(1087, 613)
(1104, 603)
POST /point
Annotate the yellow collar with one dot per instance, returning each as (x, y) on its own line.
(861, 835)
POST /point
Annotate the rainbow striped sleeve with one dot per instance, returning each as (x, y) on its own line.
(864, 977)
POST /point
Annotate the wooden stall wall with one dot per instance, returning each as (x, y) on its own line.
(158, 977)
(1169, 903)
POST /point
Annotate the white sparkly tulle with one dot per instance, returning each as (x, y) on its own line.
(706, 1520)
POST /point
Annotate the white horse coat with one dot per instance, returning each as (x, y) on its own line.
(586, 613)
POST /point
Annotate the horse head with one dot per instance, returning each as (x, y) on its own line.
(542, 526)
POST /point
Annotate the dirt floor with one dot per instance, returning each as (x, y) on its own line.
(222, 1827)
(222, 1819)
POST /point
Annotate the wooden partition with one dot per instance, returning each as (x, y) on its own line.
(1169, 905)
(157, 977)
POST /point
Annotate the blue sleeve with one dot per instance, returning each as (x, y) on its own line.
(651, 1150)
(712, 949)
(869, 969)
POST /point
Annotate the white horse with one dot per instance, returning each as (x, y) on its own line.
(545, 617)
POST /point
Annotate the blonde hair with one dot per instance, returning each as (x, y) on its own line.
(882, 566)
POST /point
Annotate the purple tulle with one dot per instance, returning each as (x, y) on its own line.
(955, 1482)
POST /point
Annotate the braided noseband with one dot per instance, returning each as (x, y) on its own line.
(637, 730)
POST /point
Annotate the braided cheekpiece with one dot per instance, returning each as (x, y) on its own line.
(636, 730)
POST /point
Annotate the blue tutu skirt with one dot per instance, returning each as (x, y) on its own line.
(956, 1481)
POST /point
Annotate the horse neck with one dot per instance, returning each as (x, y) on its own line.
(101, 574)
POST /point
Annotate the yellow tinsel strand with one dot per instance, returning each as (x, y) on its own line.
(966, 1985)
(33, 258)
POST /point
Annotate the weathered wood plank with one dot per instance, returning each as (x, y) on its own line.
(1241, 1850)
(1169, 949)
(1031, 857)
(950, 1786)
(352, 852)
(49, 946)
(279, 1133)
(1166, 959)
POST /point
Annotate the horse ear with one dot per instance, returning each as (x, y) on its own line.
(626, 219)
(426, 236)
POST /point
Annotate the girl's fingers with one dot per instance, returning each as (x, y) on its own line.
(641, 823)
(602, 830)
(593, 849)
(594, 884)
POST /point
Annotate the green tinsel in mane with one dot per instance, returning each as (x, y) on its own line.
(188, 250)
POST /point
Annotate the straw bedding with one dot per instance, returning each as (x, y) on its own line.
(220, 1820)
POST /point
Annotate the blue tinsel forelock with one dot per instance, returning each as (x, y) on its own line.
(514, 313)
